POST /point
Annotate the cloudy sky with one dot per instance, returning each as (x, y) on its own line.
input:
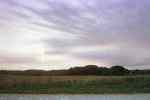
(57, 34)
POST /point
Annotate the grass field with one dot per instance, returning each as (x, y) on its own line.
(74, 84)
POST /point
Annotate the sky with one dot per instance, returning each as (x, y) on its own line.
(58, 34)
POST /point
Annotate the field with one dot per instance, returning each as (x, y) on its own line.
(74, 84)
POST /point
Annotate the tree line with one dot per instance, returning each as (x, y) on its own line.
(81, 70)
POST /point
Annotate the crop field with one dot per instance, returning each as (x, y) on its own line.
(74, 84)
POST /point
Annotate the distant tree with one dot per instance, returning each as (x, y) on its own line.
(103, 71)
(118, 70)
(80, 70)
(91, 70)
(86, 70)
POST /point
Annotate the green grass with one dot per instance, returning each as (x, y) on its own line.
(75, 84)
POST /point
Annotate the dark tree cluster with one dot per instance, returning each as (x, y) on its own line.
(95, 70)
(81, 70)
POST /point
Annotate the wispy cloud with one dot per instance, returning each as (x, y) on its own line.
(66, 33)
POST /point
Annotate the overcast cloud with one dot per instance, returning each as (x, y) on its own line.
(56, 34)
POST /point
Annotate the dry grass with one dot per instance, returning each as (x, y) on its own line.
(74, 84)
(16, 79)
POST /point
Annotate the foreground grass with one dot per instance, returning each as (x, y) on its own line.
(74, 84)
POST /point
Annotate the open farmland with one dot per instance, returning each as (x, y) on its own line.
(74, 84)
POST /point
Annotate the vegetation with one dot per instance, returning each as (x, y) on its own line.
(75, 84)
(85, 70)
(77, 80)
